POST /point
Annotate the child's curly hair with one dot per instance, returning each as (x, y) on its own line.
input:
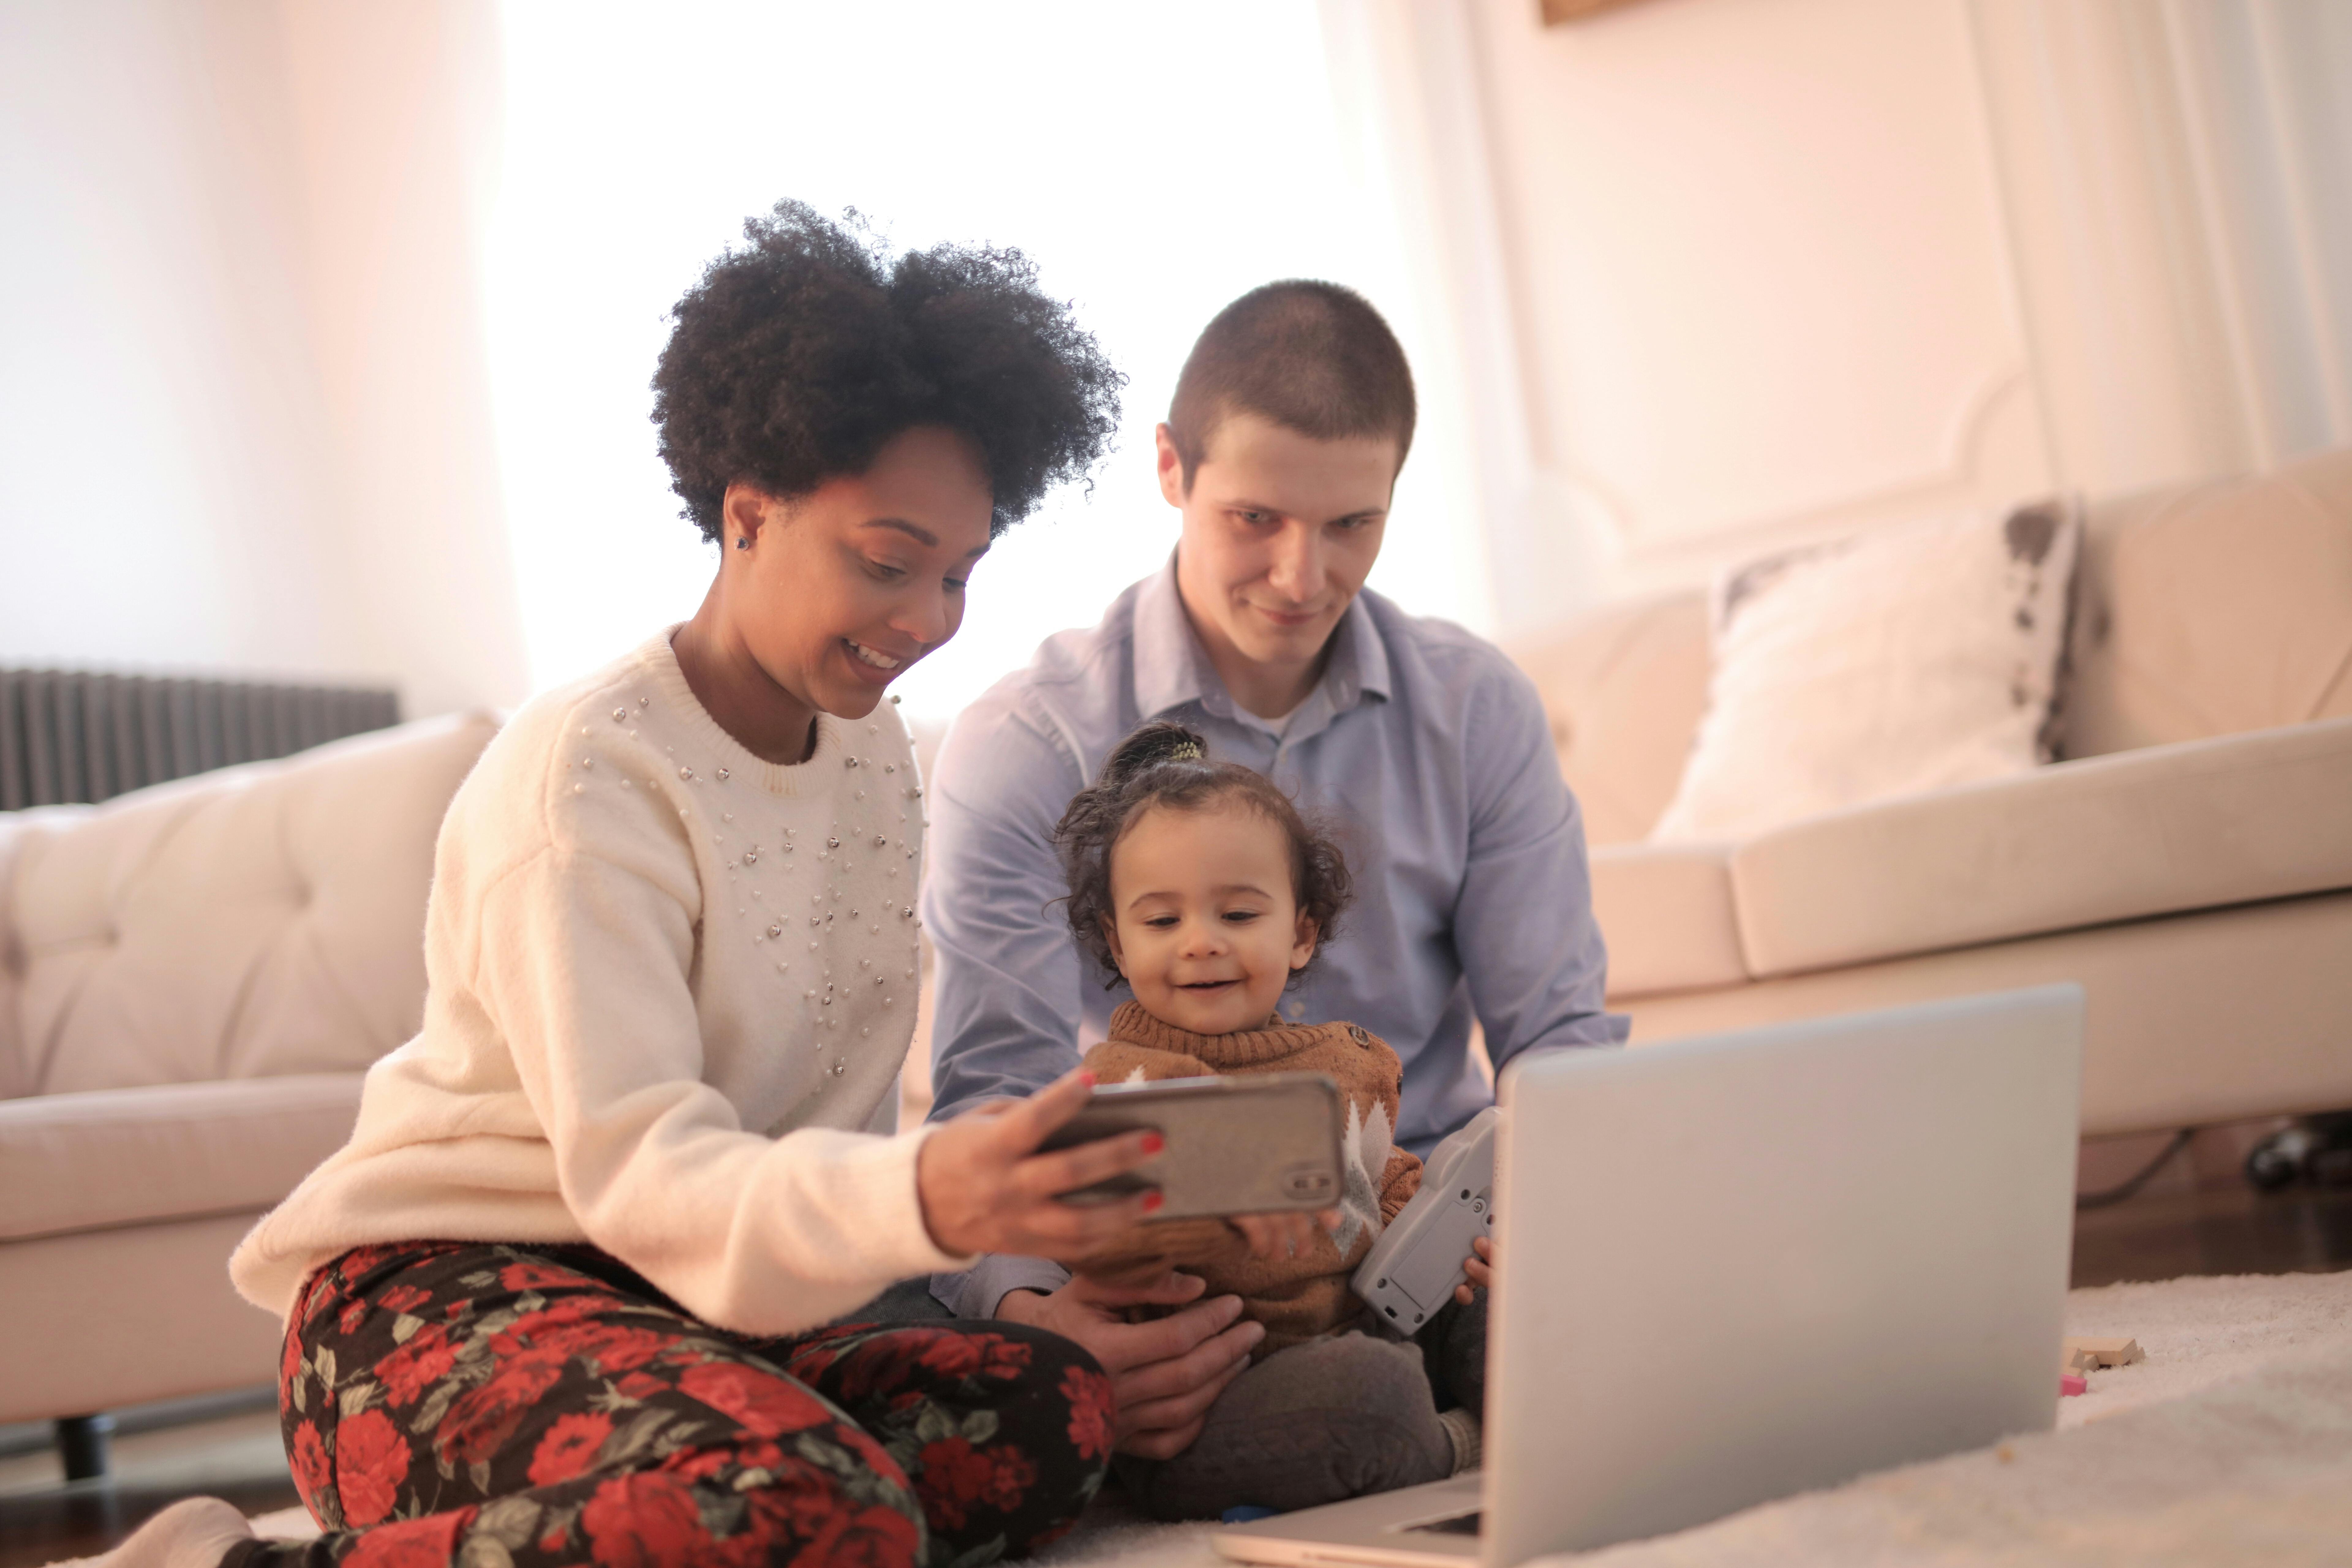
(1166, 764)
(801, 353)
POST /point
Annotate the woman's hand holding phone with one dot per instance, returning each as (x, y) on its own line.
(985, 1188)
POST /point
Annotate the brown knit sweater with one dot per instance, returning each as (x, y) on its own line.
(1295, 1298)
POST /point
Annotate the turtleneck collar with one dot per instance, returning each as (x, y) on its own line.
(1242, 1048)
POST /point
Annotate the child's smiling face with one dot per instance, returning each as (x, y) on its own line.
(1204, 924)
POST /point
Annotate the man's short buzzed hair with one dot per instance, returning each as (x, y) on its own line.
(1312, 357)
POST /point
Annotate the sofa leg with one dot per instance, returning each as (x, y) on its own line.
(82, 1442)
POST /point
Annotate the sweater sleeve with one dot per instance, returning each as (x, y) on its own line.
(584, 964)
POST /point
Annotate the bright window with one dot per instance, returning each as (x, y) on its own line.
(1154, 160)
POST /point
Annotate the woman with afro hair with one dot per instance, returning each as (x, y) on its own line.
(575, 1291)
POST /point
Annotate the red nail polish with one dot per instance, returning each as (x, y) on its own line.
(1153, 1142)
(1151, 1201)
(1086, 1078)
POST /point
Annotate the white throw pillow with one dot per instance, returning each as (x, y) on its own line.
(1902, 660)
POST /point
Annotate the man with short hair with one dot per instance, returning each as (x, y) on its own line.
(1290, 422)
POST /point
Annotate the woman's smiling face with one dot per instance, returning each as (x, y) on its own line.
(843, 589)
(1204, 923)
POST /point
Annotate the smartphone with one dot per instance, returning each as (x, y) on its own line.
(1257, 1145)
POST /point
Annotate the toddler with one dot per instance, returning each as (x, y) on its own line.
(1202, 886)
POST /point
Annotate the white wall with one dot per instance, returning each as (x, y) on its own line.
(243, 418)
(1728, 275)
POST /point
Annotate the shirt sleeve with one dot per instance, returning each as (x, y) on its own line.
(583, 964)
(1523, 922)
(1006, 1007)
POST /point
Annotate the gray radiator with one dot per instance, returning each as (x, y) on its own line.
(68, 736)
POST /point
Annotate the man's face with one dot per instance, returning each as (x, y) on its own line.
(1280, 531)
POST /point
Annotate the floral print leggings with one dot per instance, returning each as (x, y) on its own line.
(496, 1406)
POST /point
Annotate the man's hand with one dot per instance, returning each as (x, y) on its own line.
(1479, 1266)
(985, 1188)
(1164, 1373)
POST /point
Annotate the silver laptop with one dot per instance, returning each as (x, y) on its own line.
(1738, 1267)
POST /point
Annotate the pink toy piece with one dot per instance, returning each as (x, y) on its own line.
(2070, 1385)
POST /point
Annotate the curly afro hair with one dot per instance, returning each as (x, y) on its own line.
(802, 353)
(1165, 764)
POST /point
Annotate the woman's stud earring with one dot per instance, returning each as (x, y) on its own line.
(742, 541)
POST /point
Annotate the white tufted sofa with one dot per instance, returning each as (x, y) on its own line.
(194, 978)
(2189, 862)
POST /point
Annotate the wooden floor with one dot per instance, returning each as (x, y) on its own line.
(2223, 1228)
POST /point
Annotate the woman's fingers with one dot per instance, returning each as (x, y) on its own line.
(1033, 1120)
(1051, 1228)
(1066, 1170)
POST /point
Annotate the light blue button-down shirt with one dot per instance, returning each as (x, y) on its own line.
(1428, 747)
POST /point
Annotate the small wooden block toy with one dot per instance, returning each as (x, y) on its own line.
(2072, 1383)
(2076, 1358)
(2107, 1353)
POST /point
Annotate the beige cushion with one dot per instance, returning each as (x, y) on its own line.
(1903, 660)
(2264, 816)
(260, 920)
(1667, 913)
(1623, 687)
(2214, 610)
(19, 828)
(103, 1319)
(2193, 1019)
(129, 1156)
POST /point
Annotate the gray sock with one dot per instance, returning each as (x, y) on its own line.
(1316, 1422)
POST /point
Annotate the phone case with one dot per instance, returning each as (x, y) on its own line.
(1256, 1144)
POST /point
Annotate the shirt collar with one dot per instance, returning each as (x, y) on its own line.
(1171, 667)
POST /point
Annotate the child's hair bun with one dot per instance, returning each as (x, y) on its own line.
(1161, 740)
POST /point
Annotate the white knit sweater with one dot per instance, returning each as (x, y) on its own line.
(670, 988)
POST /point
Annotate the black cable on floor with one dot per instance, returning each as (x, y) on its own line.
(2118, 1194)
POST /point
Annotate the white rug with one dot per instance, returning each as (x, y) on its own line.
(2230, 1443)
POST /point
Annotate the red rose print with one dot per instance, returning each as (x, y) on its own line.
(874, 1537)
(478, 1425)
(612, 1347)
(644, 1521)
(309, 1462)
(950, 1477)
(404, 1299)
(353, 1316)
(641, 1385)
(416, 1366)
(1090, 1411)
(882, 1363)
(1012, 1474)
(569, 1447)
(760, 1401)
(976, 1355)
(370, 1462)
(361, 1261)
(538, 1276)
(290, 1367)
(427, 1543)
(701, 1464)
